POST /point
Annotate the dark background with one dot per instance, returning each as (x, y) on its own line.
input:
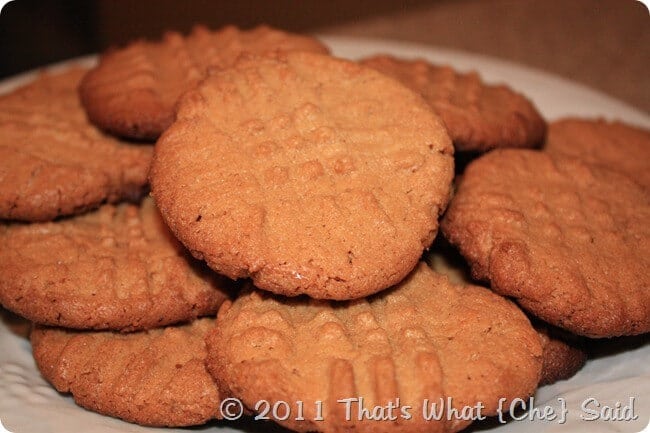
(34, 33)
(604, 44)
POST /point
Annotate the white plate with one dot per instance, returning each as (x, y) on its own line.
(620, 373)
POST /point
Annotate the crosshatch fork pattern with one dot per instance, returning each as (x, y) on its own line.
(425, 338)
(561, 236)
(133, 90)
(479, 116)
(54, 162)
(115, 268)
(156, 377)
(307, 173)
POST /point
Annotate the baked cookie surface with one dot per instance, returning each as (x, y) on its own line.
(563, 353)
(614, 145)
(53, 162)
(562, 356)
(309, 174)
(426, 338)
(118, 268)
(569, 240)
(478, 116)
(133, 90)
(155, 378)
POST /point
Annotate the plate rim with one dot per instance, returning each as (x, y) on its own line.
(338, 44)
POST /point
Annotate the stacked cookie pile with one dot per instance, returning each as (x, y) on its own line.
(295, 197)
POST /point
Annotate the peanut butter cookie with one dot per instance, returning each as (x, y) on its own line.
(569, 240)
(309, 174)
(53, 162)
(154, 378)
(424, 341)
(118, 268)
(133, 90)
(615, 145)
(563, 353)
(479, 116)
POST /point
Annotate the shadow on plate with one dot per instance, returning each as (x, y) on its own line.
(245, 424)
(249, 425)
(602, 347)
(16, 324)
(486, 424)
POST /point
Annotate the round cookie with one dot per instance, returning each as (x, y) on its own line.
(118, 267)
(569, 240)
(615, 145)
(562, 356)
(426, 338)
(154, 378)
(478, 116)
(309, 174)
(133, 90)
(53, 162)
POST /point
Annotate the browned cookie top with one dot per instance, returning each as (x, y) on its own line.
(310, 174)
(156, 377)
(478, 116)
(569, 240)
(133, 90)
(115, 268)
(615, 145)
(562, 356)
(423, 339)
(53, 161)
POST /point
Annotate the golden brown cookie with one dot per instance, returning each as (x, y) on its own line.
(424, 339)
(53, 162)
(479, 116)
(118, 267)
(569, 240)
(155, 378)
(309, 174)
(133, 90)
(563, 354)
(615, 145)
